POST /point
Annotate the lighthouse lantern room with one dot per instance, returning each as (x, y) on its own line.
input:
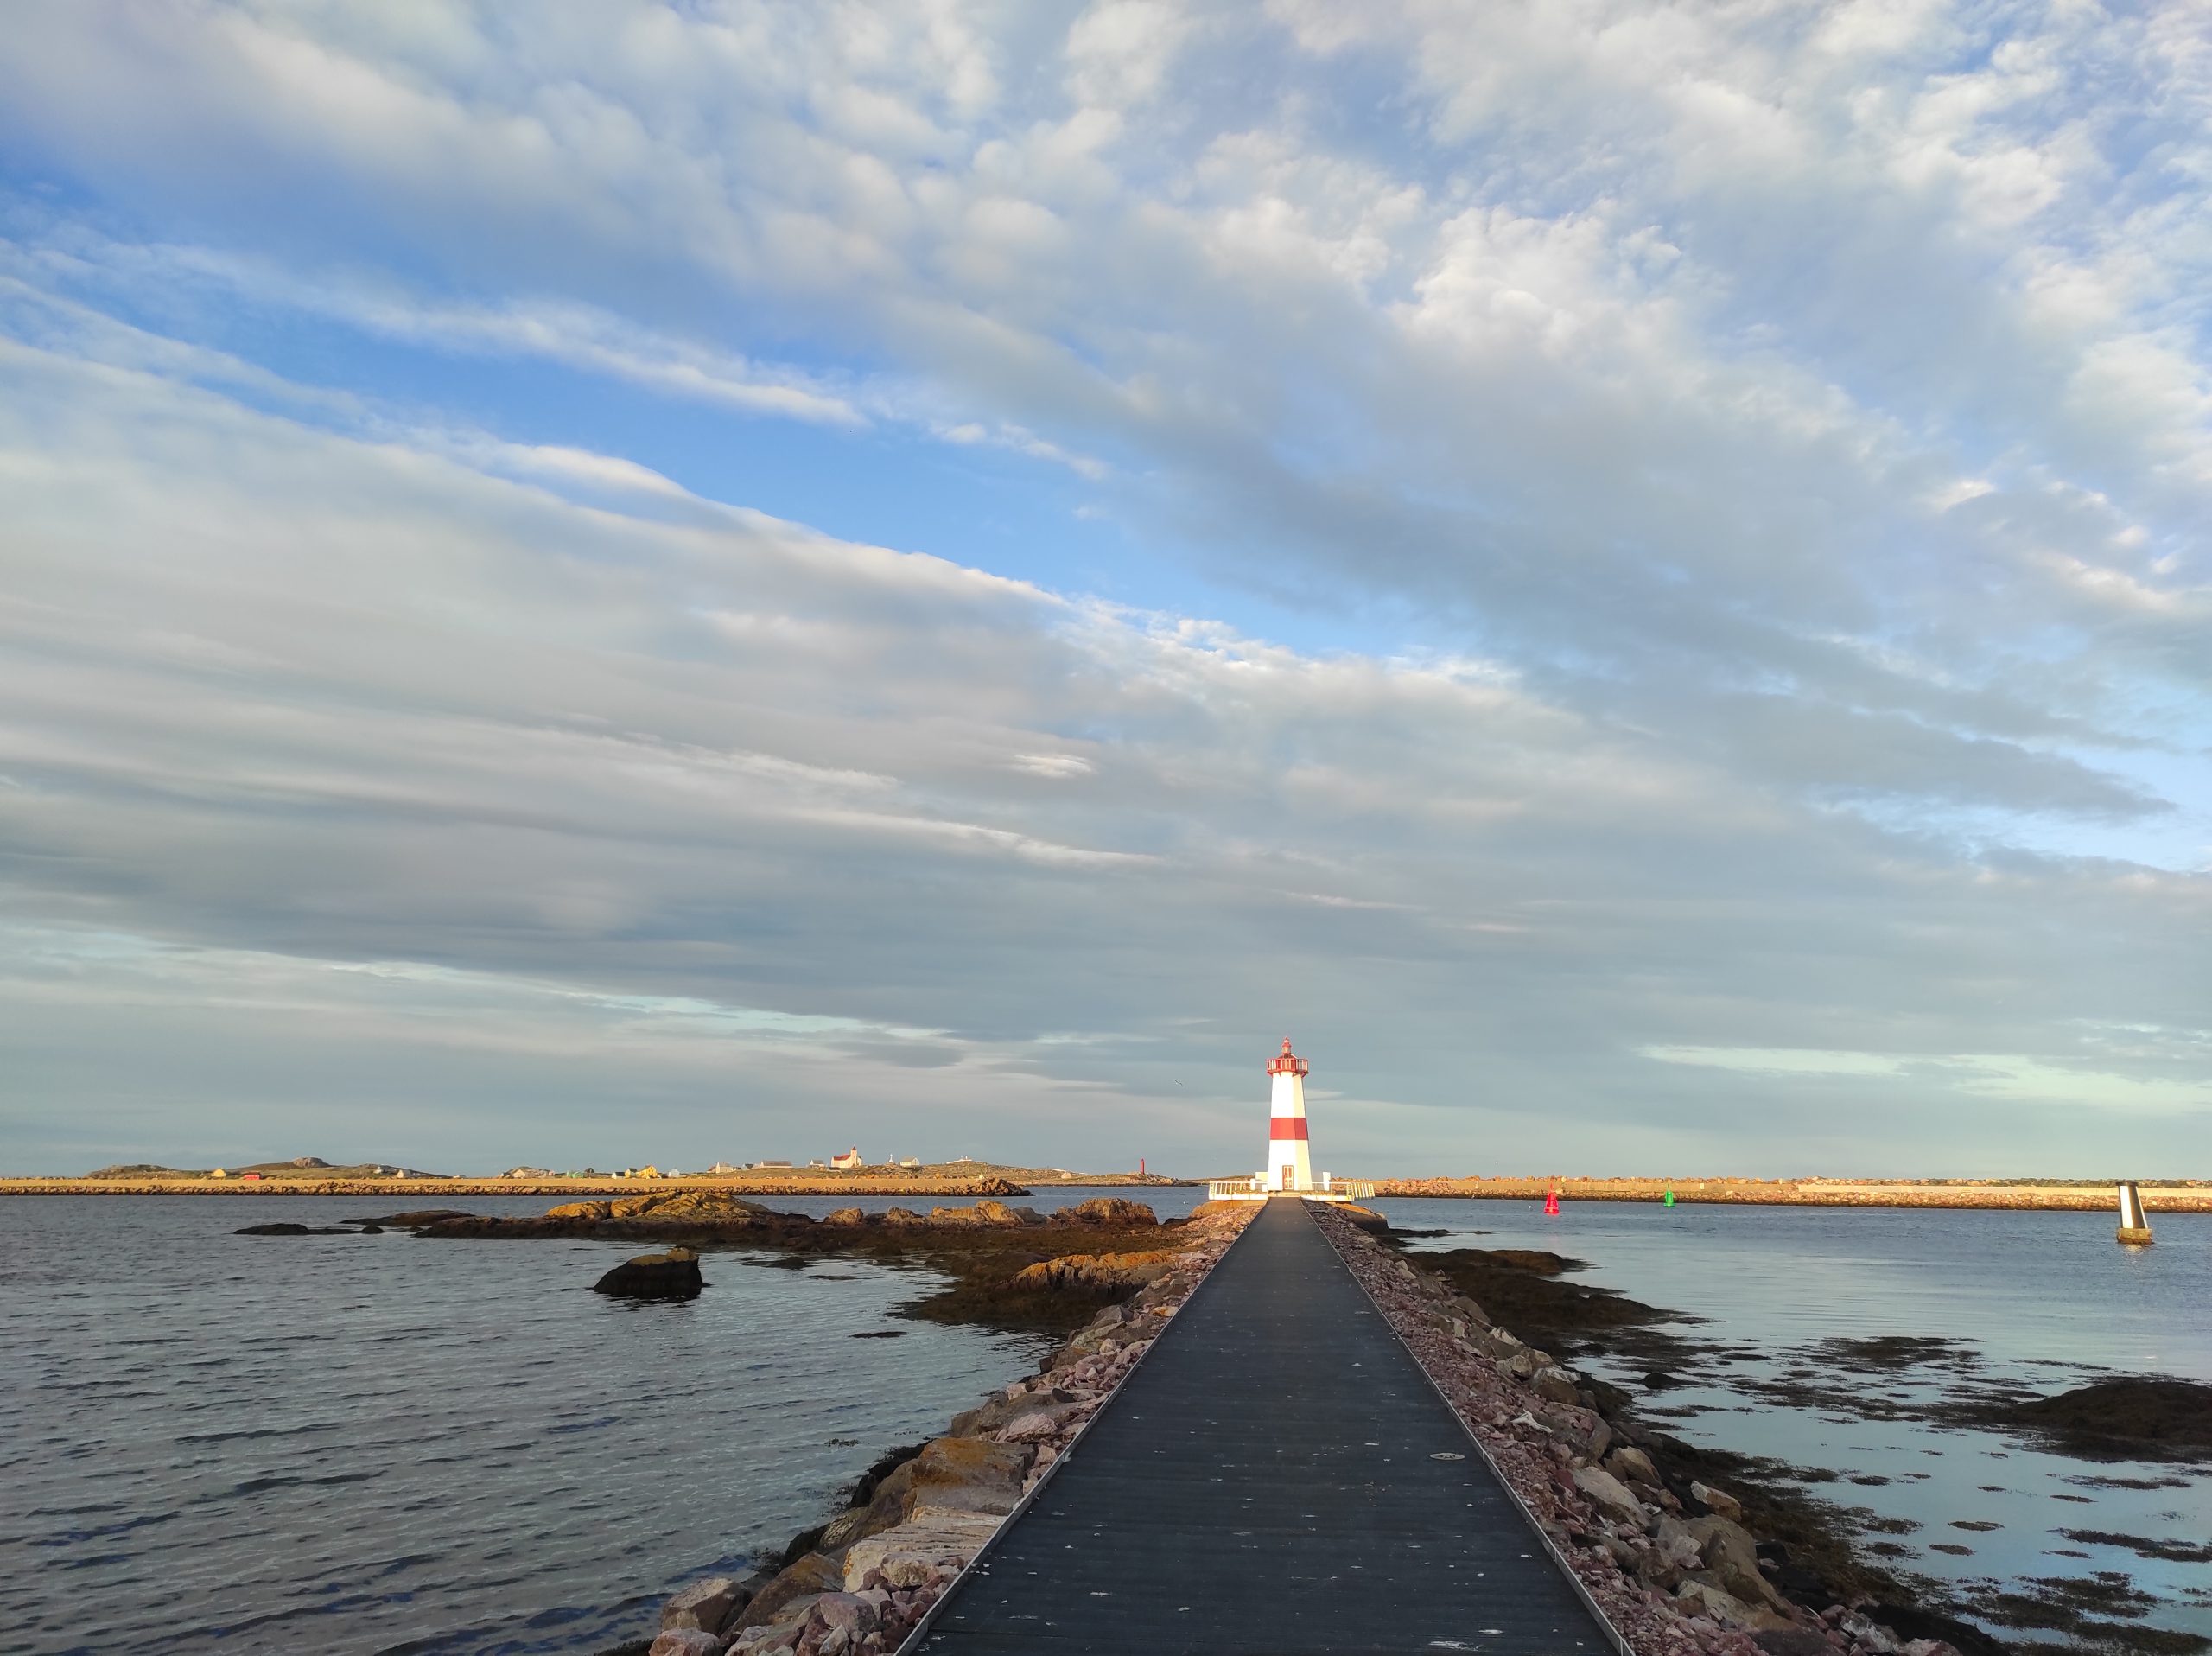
(1290, 1165)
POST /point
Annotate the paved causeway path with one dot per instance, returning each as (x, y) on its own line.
(1278, 1476)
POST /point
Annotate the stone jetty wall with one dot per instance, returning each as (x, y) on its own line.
(1669, 1562)
(861, 1582)
(2181, 1196)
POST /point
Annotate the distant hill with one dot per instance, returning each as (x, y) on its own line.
(298, 1167)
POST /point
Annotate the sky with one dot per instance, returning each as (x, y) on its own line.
(596, 584)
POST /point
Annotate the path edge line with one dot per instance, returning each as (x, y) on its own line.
(911, 1643)
(1621, 1645)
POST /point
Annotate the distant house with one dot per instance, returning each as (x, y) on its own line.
(721, 1167)
(251, 1178)
(848, 1161)
(910, 1160)
(218, 1173)
(771, 1164)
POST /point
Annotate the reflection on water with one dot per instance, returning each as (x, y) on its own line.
(355, 1445)
(1998, 1301)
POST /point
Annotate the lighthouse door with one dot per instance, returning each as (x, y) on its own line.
(1289, 1177)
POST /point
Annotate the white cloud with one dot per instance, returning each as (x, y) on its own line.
(1782, 440)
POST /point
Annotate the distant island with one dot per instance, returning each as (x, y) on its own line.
(312, 1175)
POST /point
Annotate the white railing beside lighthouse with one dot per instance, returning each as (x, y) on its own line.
(1331, 1189)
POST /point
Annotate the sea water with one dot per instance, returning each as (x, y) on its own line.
(386, 1444)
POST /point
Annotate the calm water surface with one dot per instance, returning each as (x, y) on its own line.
(360, 1444)
(2047, 1300)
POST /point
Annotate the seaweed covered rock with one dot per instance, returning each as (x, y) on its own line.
(1097, 1273)
(690, 1208)
(2119, 1418)
(985, 1212)
(1106, 1210)
(673, 1274)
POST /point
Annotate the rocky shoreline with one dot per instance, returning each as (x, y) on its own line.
(866, 1579)
(1669, 1558)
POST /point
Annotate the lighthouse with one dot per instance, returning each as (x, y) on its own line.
(1289, 1165)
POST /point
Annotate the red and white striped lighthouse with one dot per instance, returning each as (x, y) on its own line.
(1289, 1166)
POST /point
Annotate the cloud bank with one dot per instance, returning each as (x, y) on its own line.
(1634, 578)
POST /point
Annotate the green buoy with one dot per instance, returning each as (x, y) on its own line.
(1670, 1195)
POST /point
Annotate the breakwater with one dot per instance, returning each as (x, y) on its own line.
(918, 1517)
(2177, 1196)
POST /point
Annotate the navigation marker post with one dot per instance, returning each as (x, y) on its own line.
(2134, 1228)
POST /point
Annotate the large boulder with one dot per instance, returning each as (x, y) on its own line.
(684, 1641)
(1611, 1496)
(1003, 1410)
(707, 1605)
(673, 1274)
(1733, 1556)
(1097, 1273)
(985, 1212)
(1106, 1210)
(805, 1577)
(688, 1208)
(911, 1555)
(951, 1474)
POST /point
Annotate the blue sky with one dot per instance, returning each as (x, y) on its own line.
(606, 583)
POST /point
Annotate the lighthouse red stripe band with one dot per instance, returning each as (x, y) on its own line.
(1286, 1127)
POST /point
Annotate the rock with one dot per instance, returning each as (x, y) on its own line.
(951, 1474)
(985, 1212)
(1366, 1218)
(685, 1641)
(671, 1275)
(1032, 1428)
(1633, 1466)
(1730, 1611)
(1675, 1544)
(989, 1417)
(846, 1216)
(902, 1216)
(812, 1574)
(1719, 1500)
(412, 1221)
(836, 1623)
(705, 1605)
(286, 1230)
(1554, 1386)
(1106, 1210)
(2119, 1418)
(1611, 1495)
(910, 1555)
(774, 1639)
(1731, 1554)
(1097, 1273)
(1790, 1641)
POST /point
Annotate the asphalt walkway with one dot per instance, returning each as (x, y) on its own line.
(1277, 1477)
